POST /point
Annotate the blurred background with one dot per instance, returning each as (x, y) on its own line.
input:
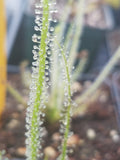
(99, 39)
(101, 22)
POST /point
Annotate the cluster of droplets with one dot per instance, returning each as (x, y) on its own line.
(38, 128)
(68, 103)
(35, 115)
(40, 79)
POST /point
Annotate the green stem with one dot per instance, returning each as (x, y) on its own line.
(42, 58)
(64, 148)
(68, 116)
(78, 32)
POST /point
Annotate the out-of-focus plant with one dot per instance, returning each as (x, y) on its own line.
(101, 77)
(16, 94)
(67, 33)
(2, 153)
(25, 74)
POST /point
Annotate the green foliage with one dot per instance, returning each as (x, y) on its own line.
(66, 121)
(35, 109)
(2, 153)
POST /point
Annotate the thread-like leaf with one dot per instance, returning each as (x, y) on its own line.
(36, 96)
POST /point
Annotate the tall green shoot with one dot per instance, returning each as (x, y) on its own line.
(65, 128)
(36, 105)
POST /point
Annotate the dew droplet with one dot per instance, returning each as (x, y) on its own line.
(38, 5)
(36, 28)
(46, 67)
(55, 21)
(34, 38)
(48, 52)
(35, 47)
(47, 79)
(51, 29)
(37, 11)
(35, 63)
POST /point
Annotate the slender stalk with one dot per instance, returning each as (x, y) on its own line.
(64, 147)
(35, 122)
(79, 27)
(68, 115)
(16, 94)
(39, 85)
(104, 73)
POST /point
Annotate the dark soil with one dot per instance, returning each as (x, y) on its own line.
(96, 135)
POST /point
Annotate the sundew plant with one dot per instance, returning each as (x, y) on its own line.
(36, 102)
(45, 44)
(40, 83)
